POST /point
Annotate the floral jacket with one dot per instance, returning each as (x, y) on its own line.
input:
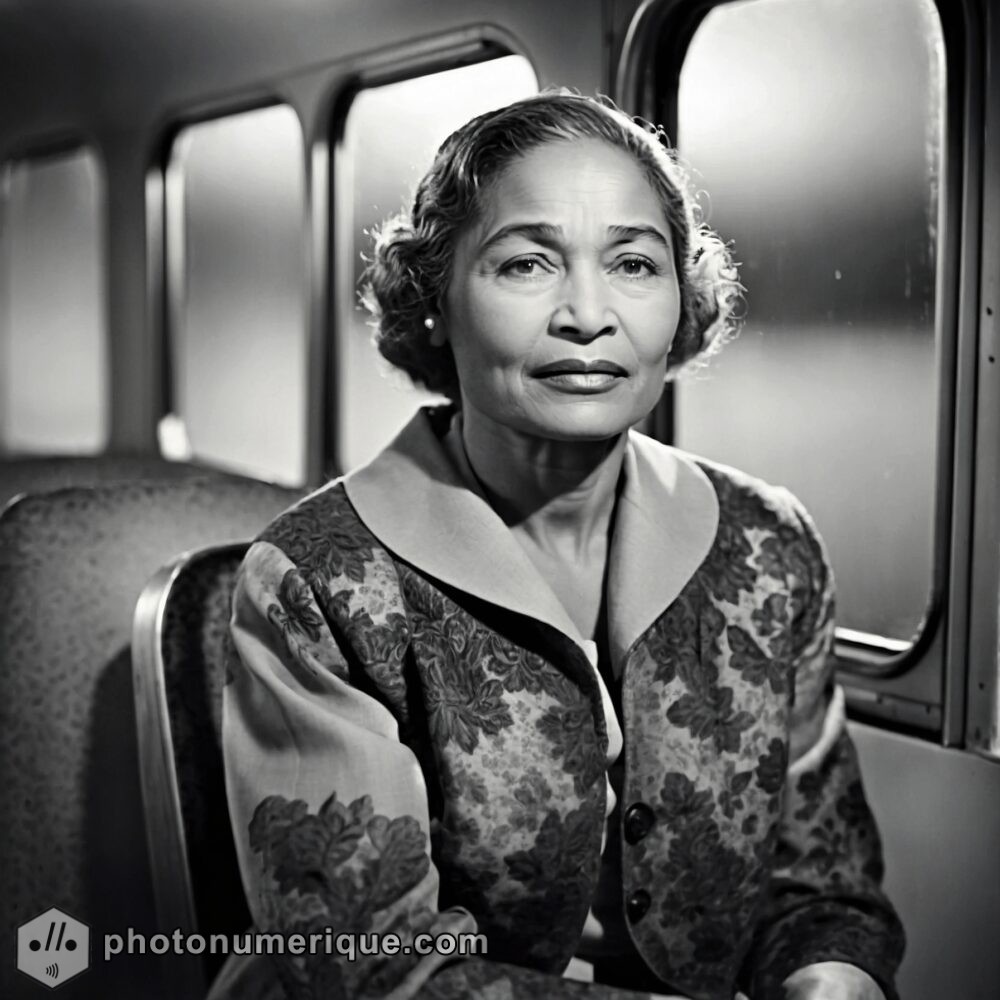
(415, 739)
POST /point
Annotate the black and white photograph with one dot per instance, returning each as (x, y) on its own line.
(500, 499)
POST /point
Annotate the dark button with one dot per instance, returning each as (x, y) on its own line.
(637, 905)
(639, 820)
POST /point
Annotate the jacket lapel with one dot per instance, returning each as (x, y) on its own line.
(417, 499)
(666, 522)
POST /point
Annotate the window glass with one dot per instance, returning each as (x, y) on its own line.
(53, 329)
(390, 137)
(235, 207)
(815, 126)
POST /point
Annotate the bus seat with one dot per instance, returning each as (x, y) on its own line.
(180, 646)
(42, 473)
(72, 563)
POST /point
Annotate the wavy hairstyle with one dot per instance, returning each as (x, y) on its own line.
(407, 277)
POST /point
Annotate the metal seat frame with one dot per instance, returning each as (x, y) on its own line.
(165, 829)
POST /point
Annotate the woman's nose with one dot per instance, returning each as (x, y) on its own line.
(584, 310)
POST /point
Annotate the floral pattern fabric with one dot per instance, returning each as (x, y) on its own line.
(403, 757)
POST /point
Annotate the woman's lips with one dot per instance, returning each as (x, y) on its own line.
(581, 381)
(574, 375)
(578, 366)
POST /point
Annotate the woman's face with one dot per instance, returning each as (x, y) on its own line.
(564, 299)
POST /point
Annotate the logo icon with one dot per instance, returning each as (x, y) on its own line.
(53, 948)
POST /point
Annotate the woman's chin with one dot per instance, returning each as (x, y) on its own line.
(580, 420)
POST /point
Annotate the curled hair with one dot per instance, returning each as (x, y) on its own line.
(408, 275)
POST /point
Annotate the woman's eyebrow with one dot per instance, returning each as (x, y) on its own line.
(630, 234)
(549, 235)
(538, 232)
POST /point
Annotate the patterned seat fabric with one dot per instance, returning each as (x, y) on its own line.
(72, 563)
(195, 647)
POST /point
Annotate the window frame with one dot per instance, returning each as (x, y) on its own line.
(648, 79)
(164, 294)
(983, 688)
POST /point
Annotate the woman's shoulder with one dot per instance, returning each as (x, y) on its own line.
(757, 519)
(320, 527)
(766, 527)
(750, 501)
(744, 499)
(771, 519)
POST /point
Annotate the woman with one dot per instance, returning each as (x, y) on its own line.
(530, 673)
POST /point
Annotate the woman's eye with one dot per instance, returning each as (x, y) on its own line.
(636, 267)
(525, 267)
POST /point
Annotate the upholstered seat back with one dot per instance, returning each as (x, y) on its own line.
(42, 474)
(72, 563)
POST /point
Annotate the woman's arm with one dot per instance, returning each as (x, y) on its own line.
(330, 815)
(826, 905)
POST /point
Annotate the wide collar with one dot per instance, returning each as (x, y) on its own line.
(416, 498)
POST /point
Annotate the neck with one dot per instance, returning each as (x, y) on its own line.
(561, 494)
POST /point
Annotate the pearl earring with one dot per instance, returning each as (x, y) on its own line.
(430, 322)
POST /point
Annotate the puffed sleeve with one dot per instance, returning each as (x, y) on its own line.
(330, 817)
(825, 901)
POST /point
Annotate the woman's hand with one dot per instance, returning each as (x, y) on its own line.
(831, 981)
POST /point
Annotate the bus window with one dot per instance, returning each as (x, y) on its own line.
(53, 324)
(815, 126)
(235, 224)
(390, 136)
